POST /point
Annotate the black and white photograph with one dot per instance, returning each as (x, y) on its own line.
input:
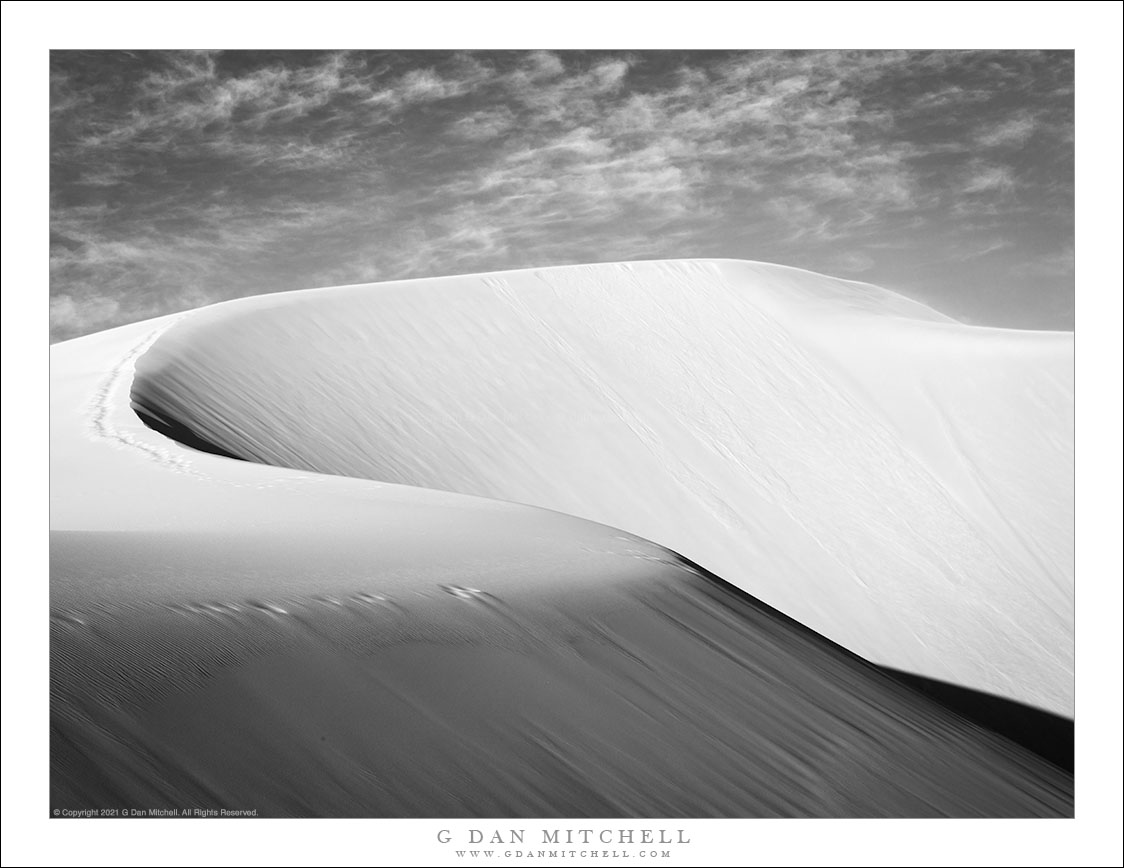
(537, 448)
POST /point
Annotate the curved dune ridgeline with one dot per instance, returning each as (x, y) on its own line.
(368, 615)
(896, 481)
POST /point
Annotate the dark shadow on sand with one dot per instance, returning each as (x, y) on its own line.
(1047, 735)
(179, 432)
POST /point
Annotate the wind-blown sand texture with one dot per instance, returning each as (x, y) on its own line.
(331, 627)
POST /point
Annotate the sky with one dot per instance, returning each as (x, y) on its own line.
(182, 178)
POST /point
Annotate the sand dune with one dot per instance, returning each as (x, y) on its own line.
(898, 482)
(300, 633)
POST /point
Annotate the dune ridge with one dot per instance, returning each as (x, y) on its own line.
(897, 481)
(248, 635)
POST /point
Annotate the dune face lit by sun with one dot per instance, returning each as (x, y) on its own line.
(898, 482)
(468, 562)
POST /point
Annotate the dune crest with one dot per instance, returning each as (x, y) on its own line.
(300, 634)
(896, 481)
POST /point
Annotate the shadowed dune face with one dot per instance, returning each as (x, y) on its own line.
(898, 482)
(189, 669)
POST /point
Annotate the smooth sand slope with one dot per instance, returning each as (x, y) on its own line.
(898, 482)
(232, 634)
(594, 676)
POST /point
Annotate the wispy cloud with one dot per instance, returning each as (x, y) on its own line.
(989, 179)
(1013, 132)
(183, 177)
